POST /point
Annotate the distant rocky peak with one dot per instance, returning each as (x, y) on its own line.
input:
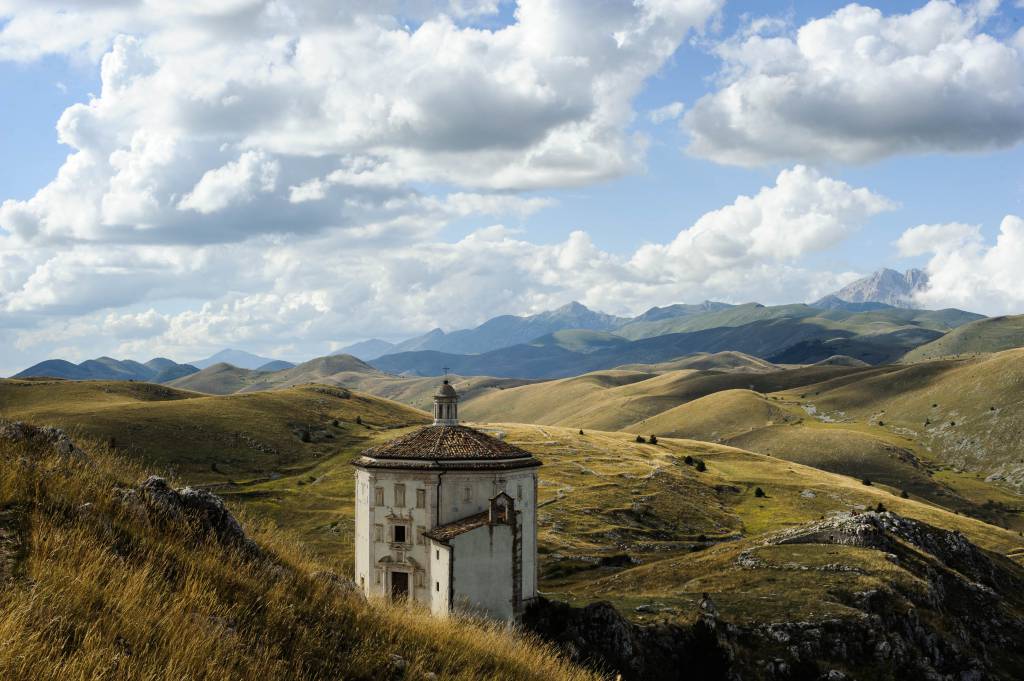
(885, 286)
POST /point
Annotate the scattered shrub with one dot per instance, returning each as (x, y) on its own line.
(305, 436)
(653, 439)
(335, 423)
(702, 538)
(581, 431)
(688, 460)
(759, 493)
(640, 438)
(904, 495)
(866, 481)
(952, 423)
(880, 508)
(112, 443)
(700, 466)
(359, 420)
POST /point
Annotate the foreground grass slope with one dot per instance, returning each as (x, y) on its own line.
(91, 588)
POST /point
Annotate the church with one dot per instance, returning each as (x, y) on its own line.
(446, 517)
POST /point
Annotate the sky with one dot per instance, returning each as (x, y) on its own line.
(291, 176)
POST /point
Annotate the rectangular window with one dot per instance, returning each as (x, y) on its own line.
(376, 576)
(519, 492)
(420, 529)
(378, 533)
(437, 586)
(419, 579)
(399, 534)
(437, 554)
(467, 494)
(400, 496)
(378, 496)
(421, 498)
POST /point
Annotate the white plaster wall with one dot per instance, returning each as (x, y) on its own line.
(440, 564)
(482, 571)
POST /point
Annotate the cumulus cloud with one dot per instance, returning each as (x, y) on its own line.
(263, 116)
(860, 85)
(966, 272)
(748, 250)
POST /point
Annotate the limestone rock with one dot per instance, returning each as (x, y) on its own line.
(203, 512)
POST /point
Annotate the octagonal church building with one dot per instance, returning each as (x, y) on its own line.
(446, 517)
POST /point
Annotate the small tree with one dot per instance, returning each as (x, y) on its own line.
(700, 466)
(581, 431)
(335, 423)
(305, 436)
(640, 438)
(112, 443)
(904, 494)
(688, 460)
(866, 481)
(759, 493)
(880, 508)
(359, 420)
(653, 439)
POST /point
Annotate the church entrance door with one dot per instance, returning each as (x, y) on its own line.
(399, 586)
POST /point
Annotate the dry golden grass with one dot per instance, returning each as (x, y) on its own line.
(94, 591)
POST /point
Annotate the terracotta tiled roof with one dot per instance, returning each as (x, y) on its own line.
(446, 443)
(451, 530)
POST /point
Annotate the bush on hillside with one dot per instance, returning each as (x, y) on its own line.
(640, 438)
(866, 481)
(759, 493)
(701, 467)
(653, 439)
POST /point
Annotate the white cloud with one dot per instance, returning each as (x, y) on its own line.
(218, 122)
(669, 112)
(966, 272)
(234, 182)
(278, 293)
(860, 85)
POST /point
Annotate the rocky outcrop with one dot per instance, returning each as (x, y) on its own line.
(41, 437)
(962, 620)
(599, 636)
(202, 513)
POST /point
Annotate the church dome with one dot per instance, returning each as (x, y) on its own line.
(455, 447)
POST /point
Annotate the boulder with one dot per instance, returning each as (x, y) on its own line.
(202, 512)
(43, 437)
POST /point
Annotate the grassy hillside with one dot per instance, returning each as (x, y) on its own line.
(871, 322)
(92, 587)
(968, 414)
(985, 335)
(610, 400)
(718, 361)
(209, 439)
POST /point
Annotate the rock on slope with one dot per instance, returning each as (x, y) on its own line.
(962, 620)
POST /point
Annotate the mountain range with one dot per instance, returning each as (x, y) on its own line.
(855, 321)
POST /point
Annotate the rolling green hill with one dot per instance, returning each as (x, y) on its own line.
(610, 400)
(984, 335)
(209, 439)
